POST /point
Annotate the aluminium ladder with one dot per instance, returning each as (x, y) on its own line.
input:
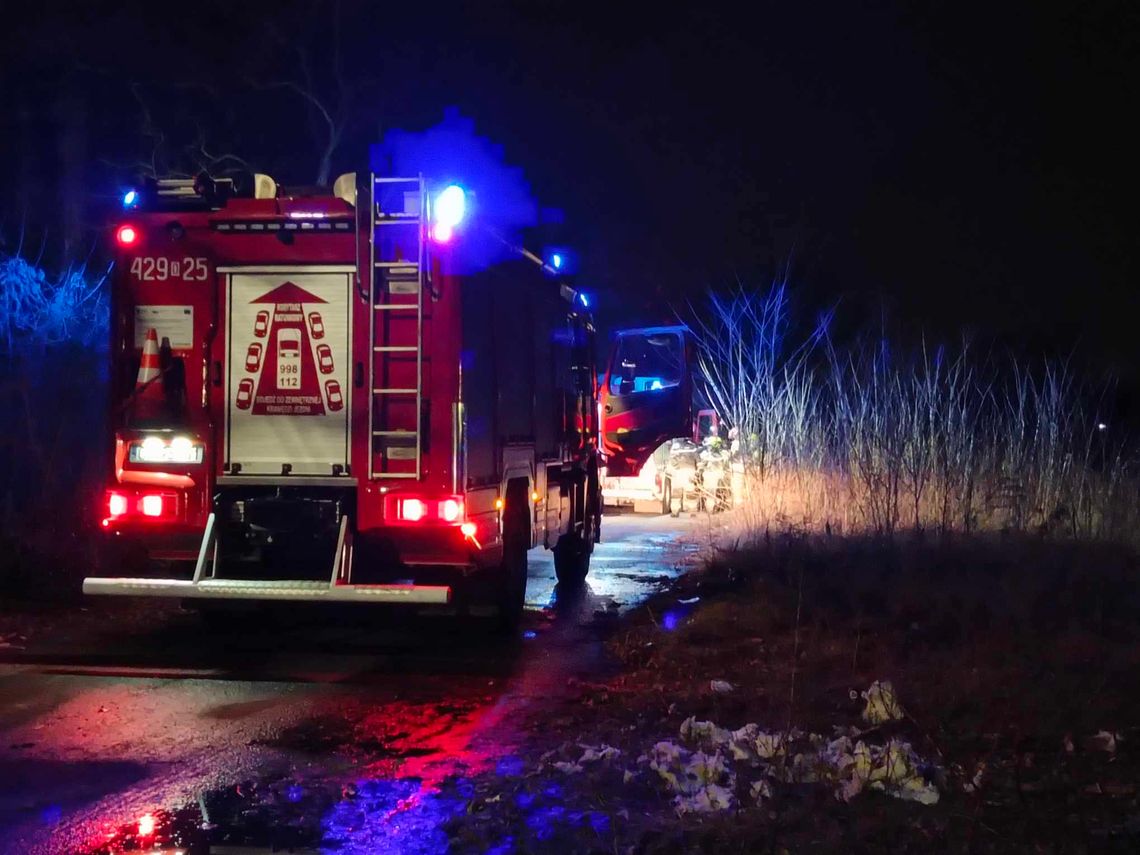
(398, 258)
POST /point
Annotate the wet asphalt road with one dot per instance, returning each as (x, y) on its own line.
(335, 730)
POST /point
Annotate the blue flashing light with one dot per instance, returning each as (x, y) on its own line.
(450, 206)
(656, 384)
(556, 261)
(584, 299)
(131, 197)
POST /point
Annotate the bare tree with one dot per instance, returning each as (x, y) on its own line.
(328, 103)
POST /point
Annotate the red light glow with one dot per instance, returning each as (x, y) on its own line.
(412, 510)
(152, 505)
(450, 510)
(127, 235)
(442, 233)
(116, 504)
(146, 825)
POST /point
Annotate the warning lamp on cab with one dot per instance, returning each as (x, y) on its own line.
(448, 212)
(559, 261)
(126, 236)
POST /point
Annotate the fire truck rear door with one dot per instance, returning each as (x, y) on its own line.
(646, 395)
(288, 349)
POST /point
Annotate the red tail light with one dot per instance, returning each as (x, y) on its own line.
(116, 504)
(448, 510)
(151, 506)
(412, 510)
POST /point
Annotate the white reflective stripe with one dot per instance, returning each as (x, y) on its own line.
(242, 589)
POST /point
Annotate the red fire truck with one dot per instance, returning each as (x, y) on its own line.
(317, 397)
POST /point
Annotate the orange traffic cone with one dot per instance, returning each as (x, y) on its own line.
(149, 397)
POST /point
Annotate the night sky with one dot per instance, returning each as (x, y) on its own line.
(934, 167)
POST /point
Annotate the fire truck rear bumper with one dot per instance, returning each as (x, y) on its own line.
(280, 591)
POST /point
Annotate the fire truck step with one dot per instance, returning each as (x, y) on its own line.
(240, 589)
(399, 266)
(396, 349)
(407, 307)
(395, 391)
(393, 433)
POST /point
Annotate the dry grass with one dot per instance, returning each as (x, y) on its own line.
(1008, 654)
(857, 438)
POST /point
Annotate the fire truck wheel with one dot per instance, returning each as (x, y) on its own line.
(513, 571)
(571, 560)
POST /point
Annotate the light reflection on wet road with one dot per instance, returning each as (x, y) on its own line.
(317, 736)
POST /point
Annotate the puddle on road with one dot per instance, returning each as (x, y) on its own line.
(389, 778)
(372, 779)
(367, 816)
(402, 771)
(402, 803)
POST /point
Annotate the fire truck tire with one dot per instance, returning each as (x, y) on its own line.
(573, 550)
(571, 560)
(511, 594)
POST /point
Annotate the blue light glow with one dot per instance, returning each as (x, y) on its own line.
(452, 152)
(656, 384)
(511, 767)
(585, 300)
(450, 206)
(130, 198)
(556, 261)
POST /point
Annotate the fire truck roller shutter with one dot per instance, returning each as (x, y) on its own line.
(288, 392)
